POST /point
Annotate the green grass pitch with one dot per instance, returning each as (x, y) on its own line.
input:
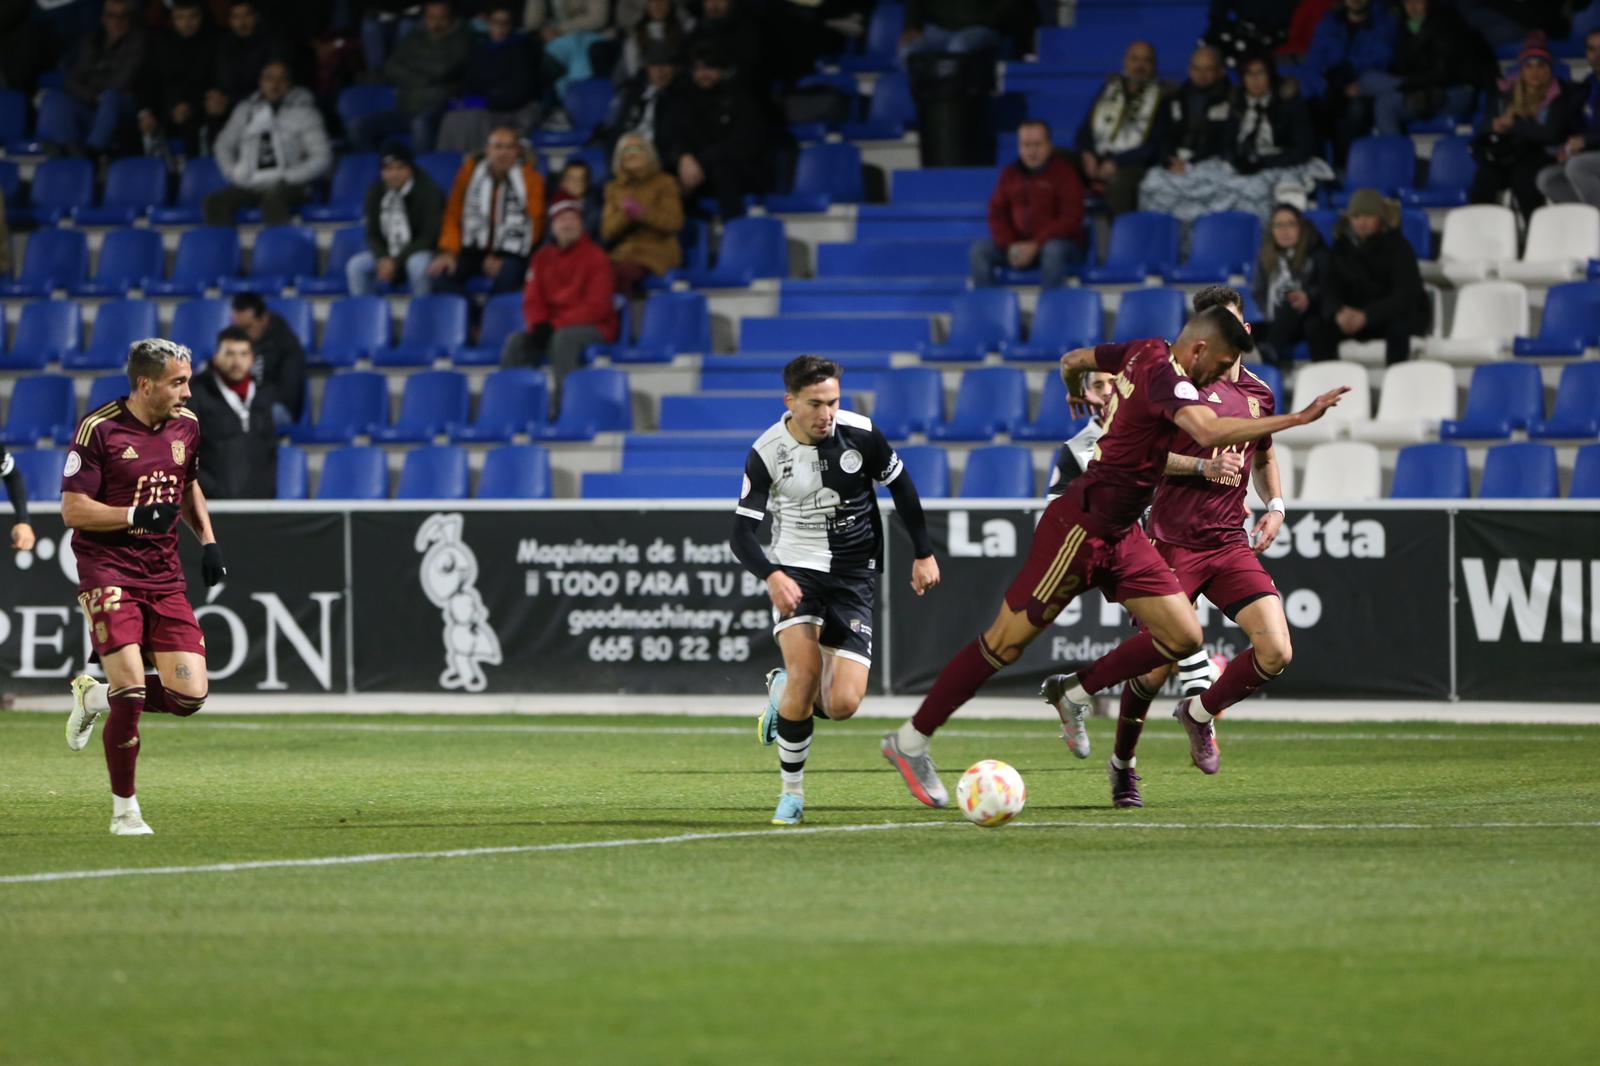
(1338, 894)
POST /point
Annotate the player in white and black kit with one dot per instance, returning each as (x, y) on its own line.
(815, 472)
(22, 530)
(1078, 451)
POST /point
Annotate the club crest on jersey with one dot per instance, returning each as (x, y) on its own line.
(850, 461)
(1255, 407)
(177, 452)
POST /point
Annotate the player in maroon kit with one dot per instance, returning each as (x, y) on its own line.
(1090, 534)
(131, 473)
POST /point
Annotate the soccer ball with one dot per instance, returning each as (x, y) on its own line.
(991, 793)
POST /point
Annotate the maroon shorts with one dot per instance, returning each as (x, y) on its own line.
(155, 621)
(1066, 558)
(1230, 576)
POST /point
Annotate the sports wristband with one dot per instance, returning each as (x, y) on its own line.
(130, 518)
(1200, 467)
(1276, 504)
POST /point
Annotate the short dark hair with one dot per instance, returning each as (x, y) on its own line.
(807, 370)
(186, 4)
(1041, 123)
(233, 333)
(249, 301)
(1218, 323)
(1217, 296)
(573, 163)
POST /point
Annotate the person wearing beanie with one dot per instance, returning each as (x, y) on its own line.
(1530, 125)
(403, 212)
(566, 301)
(1374, 287)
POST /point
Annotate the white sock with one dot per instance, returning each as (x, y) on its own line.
(1198, 712)
(794, 783)
(911, 742)
(1121, 765)
(123, 805)
(95, 698)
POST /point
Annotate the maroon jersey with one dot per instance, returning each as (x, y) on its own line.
(1131, 455)
(1195, 512)
(118, 460)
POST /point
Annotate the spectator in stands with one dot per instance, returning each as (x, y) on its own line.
(1290, 273)
(1439, 65)
(1121, 135)
(242, 54)
(643, 214)
(105, 77)
(1374, 289)
(725, 138)
(500, 87)
(1532, 122)
(424, 69)
(569, 29)
(953, 26)
(567, 301)
(577, 182)
(663, 22)
(1035, 213)
(404, 211)
(382, 23)
(176, 77)
(492, 219)
(654, 103)
(1308, 15)
(1198, 114)
(1241, 28)
(238, 438)
(731, 32)
(280, 361)
(1575, 175)
(1353, 41)
(272, 148)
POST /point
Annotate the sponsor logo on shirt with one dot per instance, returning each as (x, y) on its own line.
(129, 453)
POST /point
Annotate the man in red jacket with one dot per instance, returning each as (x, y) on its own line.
(566, 300)
(1035, 213)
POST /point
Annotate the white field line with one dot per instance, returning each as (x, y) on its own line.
(738, 834)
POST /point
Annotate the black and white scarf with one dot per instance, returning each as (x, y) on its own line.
(497, 224)
(393, 222)
(1121, 121)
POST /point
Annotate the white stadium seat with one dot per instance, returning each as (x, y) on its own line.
(1562, 238)
(1476, 240)
(1489, 315)
(1413, 399)
(1314, 379)
(1345, 471)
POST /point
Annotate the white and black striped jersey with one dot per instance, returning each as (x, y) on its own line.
(1074, 458)
(822, 500)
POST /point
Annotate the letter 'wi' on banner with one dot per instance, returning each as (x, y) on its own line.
(1527, 605)
(1366, 594)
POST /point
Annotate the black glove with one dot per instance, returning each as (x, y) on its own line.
(155, 517)
(212, 568)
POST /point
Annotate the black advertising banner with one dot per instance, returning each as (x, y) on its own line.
(557, 601)
(275, 625)
(1527, 605)
(1336, 570)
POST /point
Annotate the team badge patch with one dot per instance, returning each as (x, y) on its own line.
(744, 490)
(74, 464)
(177, 452)
(1185, 390)
(850, 461)
(1255, 407)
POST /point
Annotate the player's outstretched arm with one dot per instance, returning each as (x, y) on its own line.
(1216, 468)
(1211, 431)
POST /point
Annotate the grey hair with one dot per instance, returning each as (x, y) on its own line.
(149, 358)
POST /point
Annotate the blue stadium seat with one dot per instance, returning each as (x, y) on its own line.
(1142, 243)
(989, 400)
(60, 186)
(1577, 413)
(1523, 471)
(354, 473)
(133, 186)
(890, 109)
(929, 468)
(797, 333)
(42, 406)
(982, 321)
(1064, 319)
(923, 222)
(294, 473)
(55, 259)
(296, 314)
(353, 403)
(999, 470)
(435, 328)
(280, 255)
(586, 102)
(200, 178)
(751, 248)
(868, 296)
(1586, 474)
(593, 400)
(1150, 313)
(944, 185)
(442, 167)
(515, 472)
(47, 331)
(1272, 379)
(752, 373)
(104, 389)
(502, 316)
(434, 403)
(1431, 472)
(41, 472)
(653, 484)
(895, 259)
(357, 102)
(13, 117)
(55, 127)
(1418, 230)
(1385, 163)
(879, 52)
(127, 257)
(514, 400)
(908, 401)
(1570, 324)
(196, 323)
(1221, 245)
(1450, 172)
(357, 327)
(827, 174)
(206, 255)
(434, 472)
(346, 243)
(117, 324)
(352, 175)
(1501, 398)
(681, 452)
(10, 176)
(751, 411)
(1055, 421)
(674, 323)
